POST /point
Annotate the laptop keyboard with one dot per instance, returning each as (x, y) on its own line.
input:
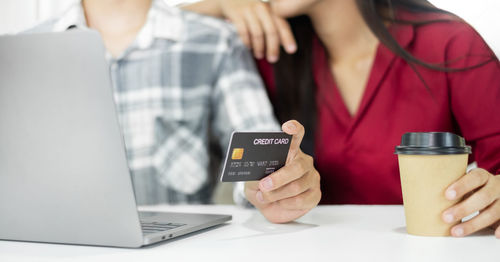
(155, 227)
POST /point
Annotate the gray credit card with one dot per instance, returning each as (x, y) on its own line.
(254, 155)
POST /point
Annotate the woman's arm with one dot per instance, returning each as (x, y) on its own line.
(475, 96)
(207, 7)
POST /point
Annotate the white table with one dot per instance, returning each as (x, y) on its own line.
(328, 233)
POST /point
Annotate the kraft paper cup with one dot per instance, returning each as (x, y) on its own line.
(428, 164)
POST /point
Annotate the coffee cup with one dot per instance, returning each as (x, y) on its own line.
(428, 164)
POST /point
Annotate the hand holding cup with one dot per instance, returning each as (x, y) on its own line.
(483, 191)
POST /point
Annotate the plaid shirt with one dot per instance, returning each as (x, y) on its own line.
(185, 79)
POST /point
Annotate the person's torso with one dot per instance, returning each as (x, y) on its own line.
(355, 153)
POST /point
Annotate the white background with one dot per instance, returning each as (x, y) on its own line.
(17, 15)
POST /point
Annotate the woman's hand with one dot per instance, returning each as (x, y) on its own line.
(484, 190)
(258, 27)
(293, 190)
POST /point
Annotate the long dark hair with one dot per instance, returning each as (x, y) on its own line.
(294, 76)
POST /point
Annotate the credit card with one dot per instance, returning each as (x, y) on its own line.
(254, 155)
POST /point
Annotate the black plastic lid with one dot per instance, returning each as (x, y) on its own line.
(432, 143)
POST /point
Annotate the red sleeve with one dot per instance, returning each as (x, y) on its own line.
(475, 95)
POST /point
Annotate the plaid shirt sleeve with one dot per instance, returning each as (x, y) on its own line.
(241, 104)
(238, 101)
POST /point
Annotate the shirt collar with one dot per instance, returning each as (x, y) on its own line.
(162, 21)
(74, 16)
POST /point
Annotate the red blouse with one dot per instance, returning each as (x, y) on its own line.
(355, 154)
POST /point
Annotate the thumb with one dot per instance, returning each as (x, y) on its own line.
(297, 131)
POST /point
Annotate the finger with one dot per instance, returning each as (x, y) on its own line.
(497, 232)
(271, 32)
(254, 196)
(286, 35)
(292, 189)
(472, 180)
(295, 129)
(306, 200)
(477, 201)
(487, 217)
(258, 200)
(496, 225)
(290, 172)
(256, 33)
(242, 29)
(252, 185)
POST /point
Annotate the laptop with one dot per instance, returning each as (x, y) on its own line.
(63, 168)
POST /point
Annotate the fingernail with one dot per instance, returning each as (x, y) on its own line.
(259, 196)
(458, 232)
(451, 194)
(267, 183)
(291, 48)
(291, 127)
(272, 59)
(259, 55)
(448, 218)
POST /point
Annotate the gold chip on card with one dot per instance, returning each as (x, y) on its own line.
(237, 154)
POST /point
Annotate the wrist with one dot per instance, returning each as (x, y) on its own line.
(213, 8)
(217, 7)
(205, 7)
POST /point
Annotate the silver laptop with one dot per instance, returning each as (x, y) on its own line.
(63, 170)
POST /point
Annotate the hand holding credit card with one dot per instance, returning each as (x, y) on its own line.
(254, 155)
(292, 190)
